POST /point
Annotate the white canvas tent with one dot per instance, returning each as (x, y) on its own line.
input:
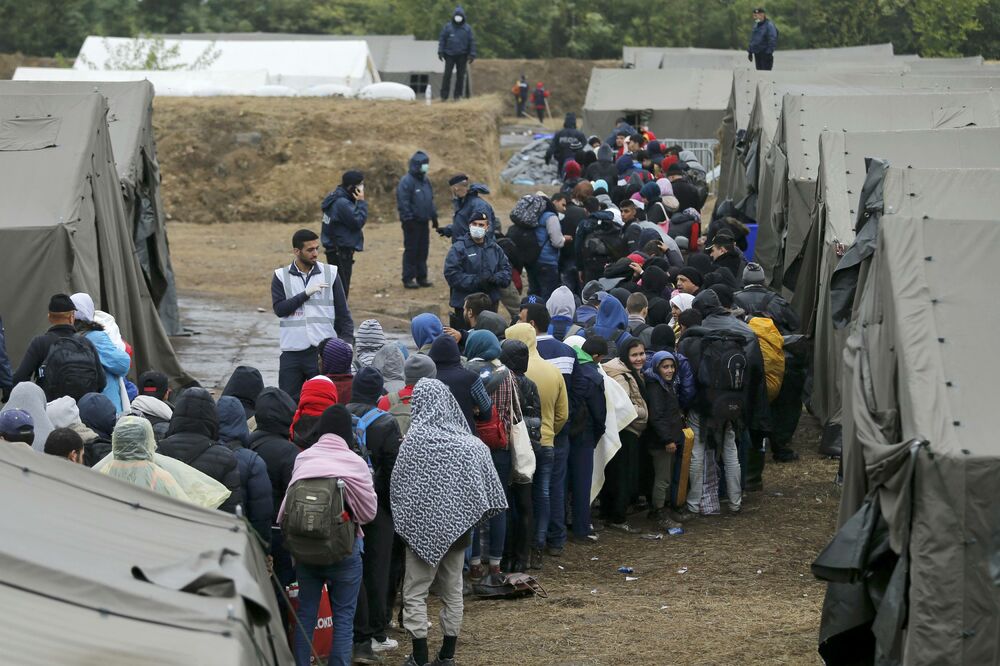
(166, 83)
(297, 64)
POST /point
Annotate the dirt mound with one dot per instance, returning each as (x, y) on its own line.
(566, 78)
(9, 62)
(245, 159)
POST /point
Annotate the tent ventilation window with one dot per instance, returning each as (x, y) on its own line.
(419, 82)
(17, 134)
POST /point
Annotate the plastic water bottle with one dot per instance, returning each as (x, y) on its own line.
(428, 95)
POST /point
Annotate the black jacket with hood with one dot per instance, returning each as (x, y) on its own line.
(414, 194)
(604, 168)
(275, 410)
(382, 437)
(245, 385)
(566, 141)
(193, 437)
(514, 355)
(98, 414)
(444, 352)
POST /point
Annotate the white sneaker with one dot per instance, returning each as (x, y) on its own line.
(388, 645)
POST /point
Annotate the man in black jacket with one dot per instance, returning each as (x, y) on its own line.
(382, 439)
(685, 191)
(565, 142)
(61, 318)
(755, 298)
(465, 385)
(589, 410)
(193, 437)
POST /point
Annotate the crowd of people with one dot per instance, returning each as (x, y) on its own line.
(610, 363)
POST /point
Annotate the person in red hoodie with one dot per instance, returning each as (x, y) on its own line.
(335, 358)
(317, 394)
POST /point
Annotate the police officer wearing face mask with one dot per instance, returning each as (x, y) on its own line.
(457, 48)
(415, 202)
(476, 263)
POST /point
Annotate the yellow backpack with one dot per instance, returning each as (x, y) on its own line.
(772, 347)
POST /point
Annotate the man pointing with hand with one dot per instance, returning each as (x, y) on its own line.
(308, 298)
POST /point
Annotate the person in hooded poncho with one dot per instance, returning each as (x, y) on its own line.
(133, 459)
(442, 485)
(30, 398)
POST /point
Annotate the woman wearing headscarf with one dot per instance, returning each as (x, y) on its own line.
(335, 357)
(367, 341)
(331, 457)
(443, 484)
(678, 304)
(317, 394)
(29, 397)
(621, 474)
(483, 350)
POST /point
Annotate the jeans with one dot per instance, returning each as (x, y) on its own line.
(730, 458)
(556, 536)
(571, 278)
(541, 491)
(416, 244)
(295, 368)
(663, 472)
(581, 476)
(489, 537)
(763, 61)
(456, 63)
(343, 580)
(343, 259)
(544, 279)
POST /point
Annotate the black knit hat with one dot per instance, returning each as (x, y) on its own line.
(352, 178)
(692, 274)
(61, 303)
(336, 420)
(458, 178)
(367, 386)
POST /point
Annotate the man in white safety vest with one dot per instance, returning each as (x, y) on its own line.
(308, 297)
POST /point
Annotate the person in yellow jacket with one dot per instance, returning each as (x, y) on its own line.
(555, 413)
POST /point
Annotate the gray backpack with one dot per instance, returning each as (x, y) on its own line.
(400, 409)
(317, 527)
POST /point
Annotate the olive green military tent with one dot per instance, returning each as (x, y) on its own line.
(64, 228)
(97, 571)
(915, 569)
(130, 122)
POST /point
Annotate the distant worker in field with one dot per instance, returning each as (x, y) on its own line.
(345, 212)
(520, 91)
(308, 297)
(763, 41)
(539, 97)
(415, 202)
(457, 48)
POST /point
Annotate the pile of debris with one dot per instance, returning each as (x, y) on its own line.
(528, 167)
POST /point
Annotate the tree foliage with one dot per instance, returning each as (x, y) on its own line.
(524, 28)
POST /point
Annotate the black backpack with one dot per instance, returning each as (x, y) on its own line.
(71, 368)
(605, 242)
(317, 527)
(722, 375)
(526, 244)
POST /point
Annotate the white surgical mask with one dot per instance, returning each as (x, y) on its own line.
(477, 232)
(424, 168)
(459, 19)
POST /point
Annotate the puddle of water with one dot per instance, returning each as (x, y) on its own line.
(226, 336)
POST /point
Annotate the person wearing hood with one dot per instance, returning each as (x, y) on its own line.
(684, 190)
(588, 406)
(664, 436)
(30, 398)
(571, 173)
(521, 524)
(156, 411)
(444, 484)
(275, 410)
(562, 308)
(654, 285)
(397, 403)
(466, 386)
(382, 439)
(590, 297)
(415, 203)
(134, 448)
(192, 438)
(565, 142)
(717, 320)
(98, 414)
(369, 339)
(114, 359)
(332, 457)
(457, 49)
(622, 471)
(611, 324)
(468, 204)
(64, 413)
(258, 506)
(656, 211)
(425, 328)
(476, 263)
(245, 384)
(335, 364)
(317, 394)
(555, 413)
(483, 351)
(389, 362)
(309, 299)
(345, 213)
(539, 97)
(17, 427)
(604, 168)
(755, 298)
